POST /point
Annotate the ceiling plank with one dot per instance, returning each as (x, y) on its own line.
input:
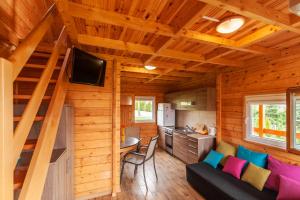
(256, 11)
(138, 48)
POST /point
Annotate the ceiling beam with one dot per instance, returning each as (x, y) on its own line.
(114, 18)
(108, 17)
(254, 10)
(143, 49)
(62, 7)
(258, 35)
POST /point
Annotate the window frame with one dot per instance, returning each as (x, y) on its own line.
(278, 98)
(151, 98)
(290, 122)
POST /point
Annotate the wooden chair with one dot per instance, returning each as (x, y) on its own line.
(138, 159)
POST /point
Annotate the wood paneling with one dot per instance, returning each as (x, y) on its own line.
(93, 133)
(269, 76)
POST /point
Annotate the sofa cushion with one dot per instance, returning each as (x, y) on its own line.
(259, 159)
(214, 184)
(213, 158)
(234, 166)
(256, 176)
(279, 168)
(227, 150)
(288, 189)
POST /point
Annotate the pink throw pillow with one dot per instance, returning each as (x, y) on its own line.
(278, 168)
(234, 166)
(289, 189)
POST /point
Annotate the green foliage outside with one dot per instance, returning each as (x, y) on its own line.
(274, 119)
(143, 105)
(143, 110)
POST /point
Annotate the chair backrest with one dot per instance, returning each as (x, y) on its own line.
(151, 147)
(132, 131)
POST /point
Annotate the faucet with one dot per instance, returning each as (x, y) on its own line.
(190, 128)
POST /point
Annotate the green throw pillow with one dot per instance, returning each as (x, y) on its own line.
(256, 176)
(227, 150)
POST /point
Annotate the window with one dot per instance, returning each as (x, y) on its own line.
(266, 119)
(144, 109)
(293, 100)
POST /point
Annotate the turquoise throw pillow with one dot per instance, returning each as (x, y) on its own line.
(213, 158)
(259, 159)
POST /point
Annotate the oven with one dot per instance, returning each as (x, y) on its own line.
(169, 140)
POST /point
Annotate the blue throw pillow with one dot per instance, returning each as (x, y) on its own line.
(259, 159)
(213, 158)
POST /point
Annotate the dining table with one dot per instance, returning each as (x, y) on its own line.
(128, 144)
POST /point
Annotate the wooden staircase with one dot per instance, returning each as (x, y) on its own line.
(31, 102)
(28, 78)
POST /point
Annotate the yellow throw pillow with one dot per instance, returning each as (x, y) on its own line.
(256, 176)
(227, 150)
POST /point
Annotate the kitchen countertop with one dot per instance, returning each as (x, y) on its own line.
(200, 136)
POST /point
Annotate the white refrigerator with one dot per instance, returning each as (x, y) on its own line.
(165, 115)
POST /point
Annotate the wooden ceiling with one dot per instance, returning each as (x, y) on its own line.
(172, 35)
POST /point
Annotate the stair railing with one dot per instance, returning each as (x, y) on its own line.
(37, 172)
(23, 128)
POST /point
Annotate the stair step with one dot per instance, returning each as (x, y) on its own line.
(27, 97)
(37, 118)
(44, 55)
(30, 144)
(19, 177)
(29, 79)
(38, 66)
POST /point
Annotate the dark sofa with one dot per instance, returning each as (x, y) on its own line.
(213, 184)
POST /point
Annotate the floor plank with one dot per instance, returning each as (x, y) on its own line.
(171, 184)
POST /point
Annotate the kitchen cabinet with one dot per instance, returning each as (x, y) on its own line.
(191, 148)
(199, 99)
(162, 137)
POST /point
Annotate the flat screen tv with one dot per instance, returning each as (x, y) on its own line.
(87, 69)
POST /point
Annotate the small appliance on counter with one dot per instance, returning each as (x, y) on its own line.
(212, 131)
(165, 115)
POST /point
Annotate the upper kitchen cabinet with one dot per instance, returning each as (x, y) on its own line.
(198, 99)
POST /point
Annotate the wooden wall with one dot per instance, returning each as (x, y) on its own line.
(93, 137)
(263, 76)
(127, 112)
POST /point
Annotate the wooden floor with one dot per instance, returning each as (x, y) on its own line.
(171, 184)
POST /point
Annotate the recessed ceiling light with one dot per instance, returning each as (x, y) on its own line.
(230, 25)
(150, 67)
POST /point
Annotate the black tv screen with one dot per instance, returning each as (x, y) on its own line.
(87, 69)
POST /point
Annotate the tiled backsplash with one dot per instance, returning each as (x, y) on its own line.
(192, 118)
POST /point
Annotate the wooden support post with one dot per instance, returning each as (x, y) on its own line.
(219, 107)
(6, 130)
(261, 120)
(116, 129)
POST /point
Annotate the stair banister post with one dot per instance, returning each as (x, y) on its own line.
(6, 130)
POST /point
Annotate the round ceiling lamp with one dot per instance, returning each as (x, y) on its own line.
(150, 67)
(230, 24)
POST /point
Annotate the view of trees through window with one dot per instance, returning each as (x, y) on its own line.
(273, 121)
(143, 110)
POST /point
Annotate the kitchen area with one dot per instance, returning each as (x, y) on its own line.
(186, 123)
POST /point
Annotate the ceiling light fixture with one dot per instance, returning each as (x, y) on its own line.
(230, 24)
(150, 67)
